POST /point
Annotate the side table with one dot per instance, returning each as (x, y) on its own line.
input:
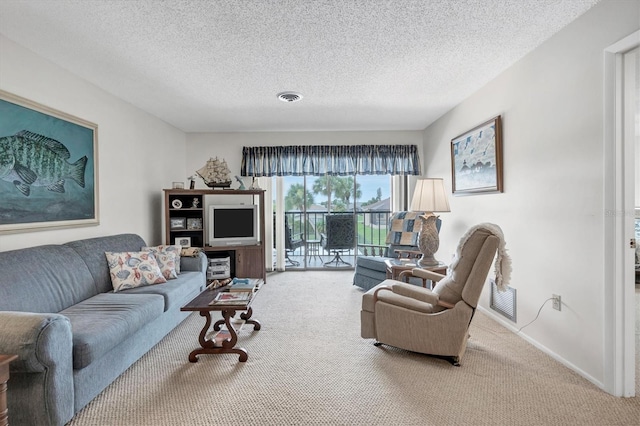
(313, 250)
(4, 378)
(396, 266)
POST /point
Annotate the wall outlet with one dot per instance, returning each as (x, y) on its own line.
(557, 303)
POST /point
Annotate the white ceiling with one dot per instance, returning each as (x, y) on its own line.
(217, 65)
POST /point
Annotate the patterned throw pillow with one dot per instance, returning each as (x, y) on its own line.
(167, 263)
(133, 269)
(167, 249)
(404, 229)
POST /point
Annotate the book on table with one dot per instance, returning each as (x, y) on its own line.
(243, 284)
(234, 298)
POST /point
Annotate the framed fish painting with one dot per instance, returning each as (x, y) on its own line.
(476, 159)
(48, 167)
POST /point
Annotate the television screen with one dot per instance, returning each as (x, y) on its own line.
(232, 225)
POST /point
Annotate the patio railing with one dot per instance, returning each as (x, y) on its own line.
(371, 228)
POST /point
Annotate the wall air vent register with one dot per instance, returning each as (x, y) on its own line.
(503, 302)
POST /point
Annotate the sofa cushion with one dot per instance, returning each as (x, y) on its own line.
(175, 292)
(177, 250)
(92, 252)
(102, 322)
(44, 279)
(132, 269)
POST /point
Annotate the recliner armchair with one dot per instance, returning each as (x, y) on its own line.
(437, 322)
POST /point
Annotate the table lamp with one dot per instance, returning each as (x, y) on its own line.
(429, 197)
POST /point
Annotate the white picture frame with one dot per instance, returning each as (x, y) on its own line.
(183, 241)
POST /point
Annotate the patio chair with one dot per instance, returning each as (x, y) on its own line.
(291, 243)
(339, 236)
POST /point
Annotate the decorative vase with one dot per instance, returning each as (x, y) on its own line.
(428, 240)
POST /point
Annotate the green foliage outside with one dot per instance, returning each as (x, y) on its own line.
(368, 234)
(297, 199)
(341, 191)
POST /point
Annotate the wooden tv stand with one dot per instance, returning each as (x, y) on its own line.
(191, 206)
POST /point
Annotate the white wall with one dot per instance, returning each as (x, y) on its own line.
(552, 208)
(139, 155)
(201, 146)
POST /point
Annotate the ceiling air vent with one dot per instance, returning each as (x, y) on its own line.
(289, 96)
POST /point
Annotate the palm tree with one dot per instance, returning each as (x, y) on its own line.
(323, 185)
(344, 189)
(297, 198)
(341, 187)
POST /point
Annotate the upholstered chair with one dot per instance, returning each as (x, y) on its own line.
(437, 322)
(401, 241)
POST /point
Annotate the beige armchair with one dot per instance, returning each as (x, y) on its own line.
(437, 322)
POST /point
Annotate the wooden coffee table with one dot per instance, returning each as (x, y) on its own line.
(201, 304)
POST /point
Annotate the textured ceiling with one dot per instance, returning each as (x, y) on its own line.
(216, 66)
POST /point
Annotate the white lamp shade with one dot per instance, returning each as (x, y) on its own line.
(429, 196)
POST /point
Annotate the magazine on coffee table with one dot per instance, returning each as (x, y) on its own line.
(232, 298)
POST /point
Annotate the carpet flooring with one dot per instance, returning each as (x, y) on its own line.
(308, 365)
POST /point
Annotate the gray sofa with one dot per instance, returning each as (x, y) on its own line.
(73, 335)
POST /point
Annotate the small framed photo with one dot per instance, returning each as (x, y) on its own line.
(183, 241)
(178, 223)
(476, 159)
(194, 223)
(177, 185)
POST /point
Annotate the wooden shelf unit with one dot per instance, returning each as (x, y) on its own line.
(248, 261)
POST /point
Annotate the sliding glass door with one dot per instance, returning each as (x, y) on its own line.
(309, 200)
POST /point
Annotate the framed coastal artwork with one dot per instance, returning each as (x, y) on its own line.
(476, 159)
(48, 167)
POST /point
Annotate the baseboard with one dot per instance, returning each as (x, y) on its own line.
(543, 348)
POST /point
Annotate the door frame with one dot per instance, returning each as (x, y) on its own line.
(619, 298)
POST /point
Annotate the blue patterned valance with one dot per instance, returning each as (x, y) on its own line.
(334, 160)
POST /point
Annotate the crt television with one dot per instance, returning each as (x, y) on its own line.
(233, 225)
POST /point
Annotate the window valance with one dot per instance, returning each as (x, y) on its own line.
(333, 160)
